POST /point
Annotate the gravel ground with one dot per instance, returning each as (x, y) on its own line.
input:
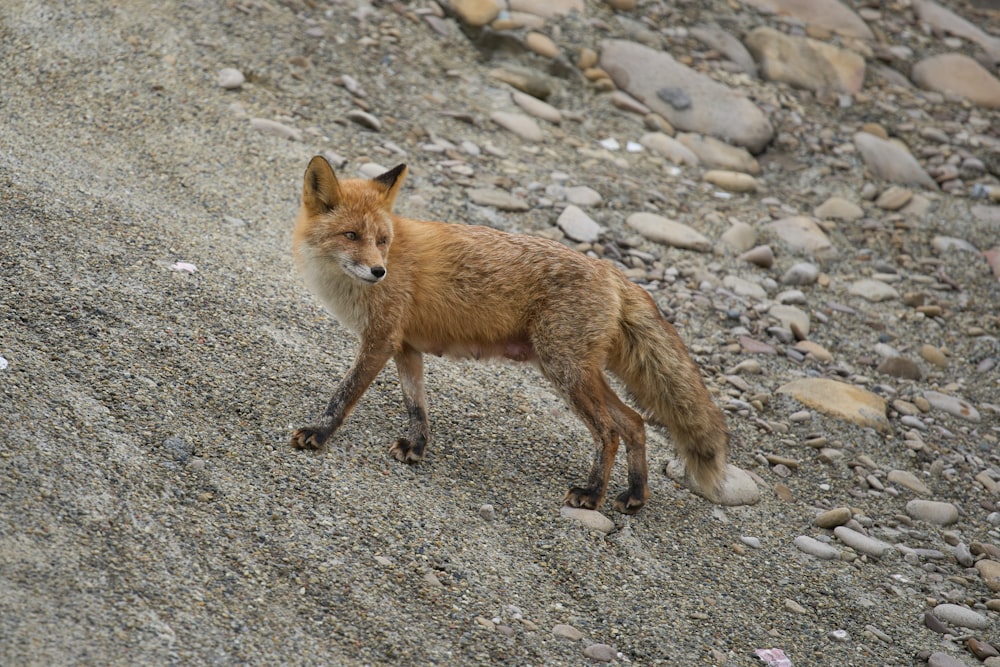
(152, 511)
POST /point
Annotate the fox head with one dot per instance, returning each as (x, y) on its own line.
(348, 221)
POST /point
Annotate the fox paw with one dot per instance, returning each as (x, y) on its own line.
(629, 503)
(578, 496)
(309, 438)
(405, 451)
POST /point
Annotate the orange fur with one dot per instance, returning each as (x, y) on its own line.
(409, 287)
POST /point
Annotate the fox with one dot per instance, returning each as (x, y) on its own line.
(408, 287)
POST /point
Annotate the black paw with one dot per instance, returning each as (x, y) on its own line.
(309, 438)
(405, 451)
(578, 496)
(629, 502)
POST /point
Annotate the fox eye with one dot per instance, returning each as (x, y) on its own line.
(351, 236)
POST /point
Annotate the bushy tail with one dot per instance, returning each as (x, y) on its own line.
(657, 370)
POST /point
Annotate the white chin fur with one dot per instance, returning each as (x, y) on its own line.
(361, 272)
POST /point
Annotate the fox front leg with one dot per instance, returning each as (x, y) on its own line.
(370, 360)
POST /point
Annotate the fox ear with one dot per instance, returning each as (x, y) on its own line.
(320, 189)
(390, 182)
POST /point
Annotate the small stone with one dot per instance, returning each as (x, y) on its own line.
(801, 273)
(802, 234)
(815, 351)
(863, 543)
(567, 632)
(761, 256)
(475, 13)
(499, 199)
(814, 547)
(364, 119)
(740, 236)
(791, 318)
(908, 480)
(900, 367)
(952, 405)
(581, 195)
(670, 148)
(720, 155)
(989, 570)
(230, 79)
(537, 107)
(933, 355)
(840, 400)
(833, 518)
(954, 614)
(741, 287)
(981, 649)
(487, 512)
(590, 518)
(600, 653)
(941, 659)
(274, 128)
(894, 198)
(541, 44)
(932, 511)
(733, 181)
(521, 125)
(663, 230)
(838, 208)
(577, 225)
(892, 161)
(873, 290)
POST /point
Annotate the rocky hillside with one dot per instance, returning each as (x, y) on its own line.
(809, 190)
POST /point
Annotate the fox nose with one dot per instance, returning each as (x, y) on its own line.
(378, 271)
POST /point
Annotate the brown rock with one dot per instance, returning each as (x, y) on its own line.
(840, 400)
(806, 63)
(958, 74)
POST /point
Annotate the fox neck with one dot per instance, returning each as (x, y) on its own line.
(345, 297)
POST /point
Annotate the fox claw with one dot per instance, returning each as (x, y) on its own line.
(626, 503)
(309, 438)
(403, 450)
(579, 496)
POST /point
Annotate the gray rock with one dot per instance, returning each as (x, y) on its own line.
(715, 109)
(590, 518)
(954, 614)
(577, 225)
(953, 405)
(932, 511)
(726, 44)
(891, 161)
(814, 547)
(663, 230)
(863, 543)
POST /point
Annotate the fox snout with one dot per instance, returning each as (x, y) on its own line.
(365, 272)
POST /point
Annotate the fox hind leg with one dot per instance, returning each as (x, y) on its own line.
(633, 432)
(409, 363)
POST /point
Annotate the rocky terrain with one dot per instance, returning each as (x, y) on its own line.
(809, 190)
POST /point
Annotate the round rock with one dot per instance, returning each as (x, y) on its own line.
(932, 511)
(954, 614)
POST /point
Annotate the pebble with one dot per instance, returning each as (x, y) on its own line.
(364, 119)
(908, 480)
(952, 405)
(933, 355)
(581, 195)
(740, 236)
(670, 148)
(590, 518)
(670, 232)
(800, 273)
(837, 516)
(521, 125)
(958, 74)
(981, 649)
(475, 13)
(900, 367)
(230, 79)
(276, 129)
(954, 614)
(873, 290)
(762, 256)
(567, 632)
(989, 571)
(941, 659)
(600, 653)
(892, 161)
(791, 317)
(932, 511)
(487, 513)
(894, 198)
(499, 199)
(577, 225)
(840, 400)
(814, 547)
(732, 181)
(863, 543)
(741, 287)
(802, 234)
(537, 107)
(720, 155)
(541, 44)
(838, 208)
(814, 350)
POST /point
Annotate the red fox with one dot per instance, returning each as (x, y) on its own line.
(409, 287)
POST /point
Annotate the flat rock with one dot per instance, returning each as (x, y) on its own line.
(521, 125)
(952, 405)
(567, 631)
(741, 287)
(932, 511)
(230, 79)
(806, 63)
(726, 44)
(582, 195)
(958, 74)
(947, 21)
(840, 400)
(830, 15)
(954, 614)
(577, 225)
(600, 653)
(276, 129)
(715, 109)
(814, 547)
(801, 234)
(733, 181)
(942, 659)
(761, 256)
(838, 208)
(830, 519)
(740, 236)
(720, 155)
(790, 317)
(873, 290)
(670, 148)
(989, 570)
(800, 273)
(869, 546)
(536, 107)
(664, 230)
(590, 518)
(891, 161)
(497, 198)
(900, 367)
